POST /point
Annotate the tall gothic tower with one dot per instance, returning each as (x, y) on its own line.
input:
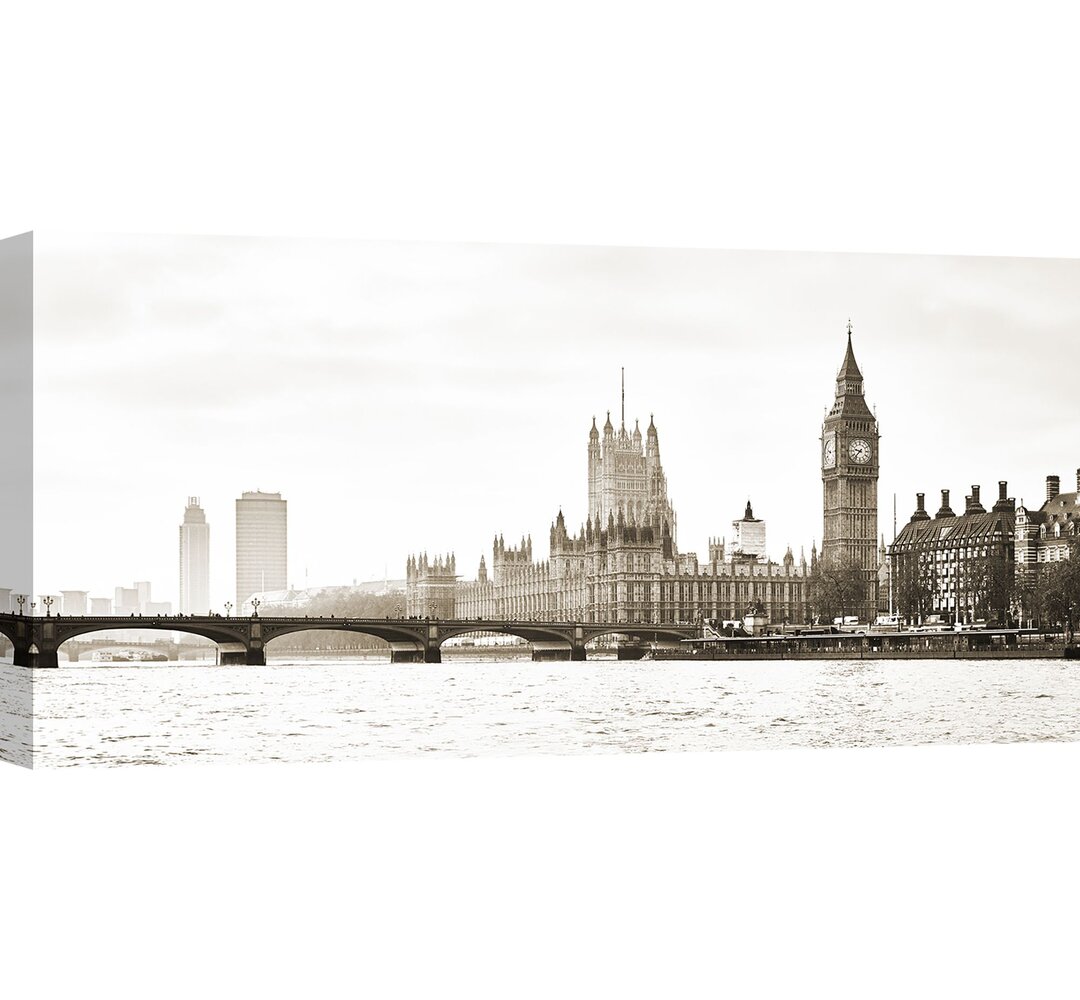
(849, 475)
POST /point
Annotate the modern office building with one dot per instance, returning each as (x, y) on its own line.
(194, 560)
(959, 565)
(261, 544)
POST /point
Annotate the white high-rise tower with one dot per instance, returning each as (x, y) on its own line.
(261, 544)
(194, 560)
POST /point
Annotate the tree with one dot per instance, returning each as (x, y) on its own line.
(836, 590)
(1057, 592)
(340, 603)
(986, 586)
(915, 583)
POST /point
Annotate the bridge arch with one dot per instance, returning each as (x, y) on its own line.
(548, 641)
(229, 642)
(529, 632)
(9, 629)
(407, 640)
(647, 633)
(341, 639)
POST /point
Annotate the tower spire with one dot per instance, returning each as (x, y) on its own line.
(622, 376)
(849, 370)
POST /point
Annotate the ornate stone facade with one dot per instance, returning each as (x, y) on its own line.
(623, 564)
(430, 586)
(849, 476)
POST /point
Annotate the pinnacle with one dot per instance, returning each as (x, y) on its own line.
(849, 369)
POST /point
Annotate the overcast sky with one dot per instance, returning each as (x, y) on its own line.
(407, 397)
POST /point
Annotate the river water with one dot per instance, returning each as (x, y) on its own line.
(322, 711)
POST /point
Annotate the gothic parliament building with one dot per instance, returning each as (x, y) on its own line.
(624, 563)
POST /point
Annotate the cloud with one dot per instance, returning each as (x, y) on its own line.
(428, 395)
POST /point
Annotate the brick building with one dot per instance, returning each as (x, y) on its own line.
(1047, 535)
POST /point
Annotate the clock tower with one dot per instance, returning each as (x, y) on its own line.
(849, 475)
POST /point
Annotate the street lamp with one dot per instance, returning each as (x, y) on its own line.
(20, 600)
(228, 608)
(434, 608)
(48, 602)
(255, 602)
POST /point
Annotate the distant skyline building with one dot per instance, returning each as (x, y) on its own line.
(194, 560)
(261, 544)
(126, 601)
(135, 600)
(74, 601)
(748, 536)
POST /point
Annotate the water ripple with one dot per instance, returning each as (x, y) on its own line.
(167, 714)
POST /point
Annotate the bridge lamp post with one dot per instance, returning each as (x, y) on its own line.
(434, 608)
(255, 602)
(48, 602)
(20, 599)
(228, 608)
(33, 604)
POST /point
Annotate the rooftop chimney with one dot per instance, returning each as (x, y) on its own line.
(1053, 487)
(973, 504)
(920, 508)
(1004, 502)
(946, 510)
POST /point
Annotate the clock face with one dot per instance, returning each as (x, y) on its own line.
(859, 450)
(830, 452)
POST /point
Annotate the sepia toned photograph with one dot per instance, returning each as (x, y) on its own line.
(309, 500)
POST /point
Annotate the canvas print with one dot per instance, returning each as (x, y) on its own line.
(312, 500)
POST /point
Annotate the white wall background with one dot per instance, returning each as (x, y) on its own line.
(937, 127)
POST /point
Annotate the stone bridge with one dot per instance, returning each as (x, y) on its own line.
(243, 640)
